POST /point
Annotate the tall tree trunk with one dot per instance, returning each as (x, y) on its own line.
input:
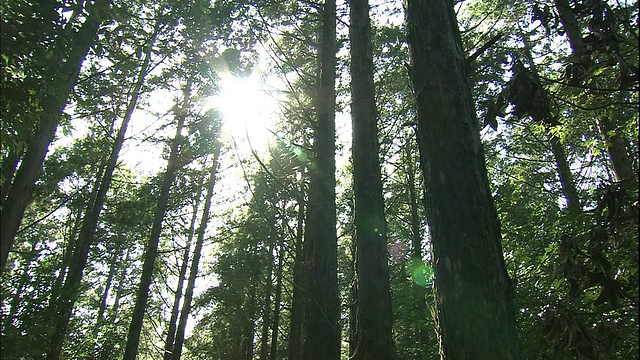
(374, 297)
(266, 308)
(113, 267)
(322, 330)
(9, 167)
(193, 271)
(120, 290)
(17, 297)
(294, 343)
(68, 250)
(419, 328)
(353, 304)
(473, 291)
(58, 289)
(106, 350)
(278, 299)
(151, 251)
(566, 177)
(66, 300)
(247, 339)
(572, 29)
(100, 319)
(618, 155)
(58, 91)
(173, 321)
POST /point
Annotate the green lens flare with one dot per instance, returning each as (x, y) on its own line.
(421, 274)
(302, 156)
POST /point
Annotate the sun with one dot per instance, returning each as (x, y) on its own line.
(247, 109)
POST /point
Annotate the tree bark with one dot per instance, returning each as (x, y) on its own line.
(58, 91)
(69, 292)
(374, 340)
(321, 329)
(473, 290)
(195, 261)
(151, 251)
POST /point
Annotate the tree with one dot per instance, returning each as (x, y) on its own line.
(195, 261)
(322, 332)
(473, 290)
(173, 320)
(57, 90)
(373, 339)
(151, 251)
(63, 305)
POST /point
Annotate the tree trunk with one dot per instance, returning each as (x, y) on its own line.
(473, 290)
(353, 305)
(248, 308)
(9, 167)
(173, 322)
(374, 297)
(294, 342)
(278, 299)
(618, 155)
(66, 300)
(107, 286)
(17, 297)
(420, 331)
(106, 352)
(566, 177)
(193, 272)
(572, 28)
(266, 309)
(247, 344)
(151, 251)
(68, 252)
(322, 330)
(119, 292)
(58, 91)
